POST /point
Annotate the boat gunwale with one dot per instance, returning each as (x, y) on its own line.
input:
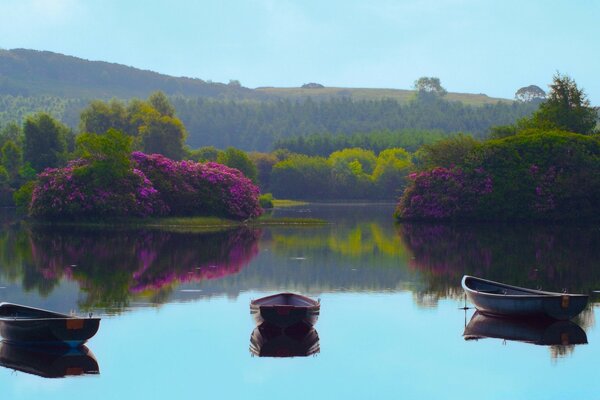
(314, 304)
(58, 317)
(534, 294)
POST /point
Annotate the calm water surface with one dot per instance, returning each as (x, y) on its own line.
(177, 325)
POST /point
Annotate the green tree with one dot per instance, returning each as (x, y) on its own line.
(204, 154)
(238, 159)
(12, 160)
(447, 152)
(11, 132)
(100, 116)
(364, 160)
(161, 103)
(430, 85)
(264, 165)
(163, 135)
(301, 177)
(108, 156)
(566, 108)
(45, 141)
(531, 93)
(393, 166)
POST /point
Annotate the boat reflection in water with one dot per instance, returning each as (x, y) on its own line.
(545, 332)
(299, 340)
(48, 362)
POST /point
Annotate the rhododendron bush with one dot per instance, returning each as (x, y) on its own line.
(444, 193)
(153, 186)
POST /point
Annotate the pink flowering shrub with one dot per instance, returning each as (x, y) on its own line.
(153, 186)
(191, 188)
(63, 193)
(443, 193)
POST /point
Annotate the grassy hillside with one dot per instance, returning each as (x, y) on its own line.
(42, 73)
(400, 95)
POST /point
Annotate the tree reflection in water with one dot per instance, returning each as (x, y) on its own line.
(547, 256)
(111, 267)
(551, 257)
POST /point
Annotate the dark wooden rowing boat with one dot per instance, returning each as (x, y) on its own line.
(48, 362)
(505, 300)
(539, 331)
(34, 326)
(285, 309)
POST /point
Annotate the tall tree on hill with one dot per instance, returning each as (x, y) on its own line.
(529, 94)
(567, 108)
(430, 85)
(45, 141)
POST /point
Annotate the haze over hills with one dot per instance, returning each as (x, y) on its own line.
(43, 73)
(34, 73)
(222, 115)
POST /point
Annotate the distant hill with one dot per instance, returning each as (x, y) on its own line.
(221, 115)
(400, 95)
(32, 73)
(42, 73)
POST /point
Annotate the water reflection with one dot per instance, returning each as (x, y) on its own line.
(297, 341)
(562, 336)
(551, 257)
(48, 362)
(111, 267)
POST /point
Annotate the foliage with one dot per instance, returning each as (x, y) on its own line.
(347, 174)
(254, 125)
(63, 193)
(536, 174)
(106, 156)
(22, 196)
(152, 123)
(566, 108)
(190, 188)
(238, 159)
(430, 85)
(264, 166)
(443, 193)
(45, 141)
(300, 176)
(266, 200)
(531, 93)
(447, 152)
(12, 160)
(325, 144)
(34, 73)
(203, 154)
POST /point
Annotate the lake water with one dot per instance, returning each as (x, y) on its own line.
(176, 321)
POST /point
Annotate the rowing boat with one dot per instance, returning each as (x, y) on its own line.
(496, 298)
(34, 326)
(285, 309)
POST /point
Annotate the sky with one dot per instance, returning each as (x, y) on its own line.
(473, 46)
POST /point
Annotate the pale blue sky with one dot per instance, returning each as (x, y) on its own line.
(485, 46)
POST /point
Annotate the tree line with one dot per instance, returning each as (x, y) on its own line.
(254, 125)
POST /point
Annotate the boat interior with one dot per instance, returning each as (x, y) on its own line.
(492, 288)
(14, 311)
(286, 299)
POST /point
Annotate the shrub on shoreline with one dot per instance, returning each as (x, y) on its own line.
(152, 186)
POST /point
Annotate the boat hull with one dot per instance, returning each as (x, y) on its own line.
(512, 301)
(285, 310)
(37, 327)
